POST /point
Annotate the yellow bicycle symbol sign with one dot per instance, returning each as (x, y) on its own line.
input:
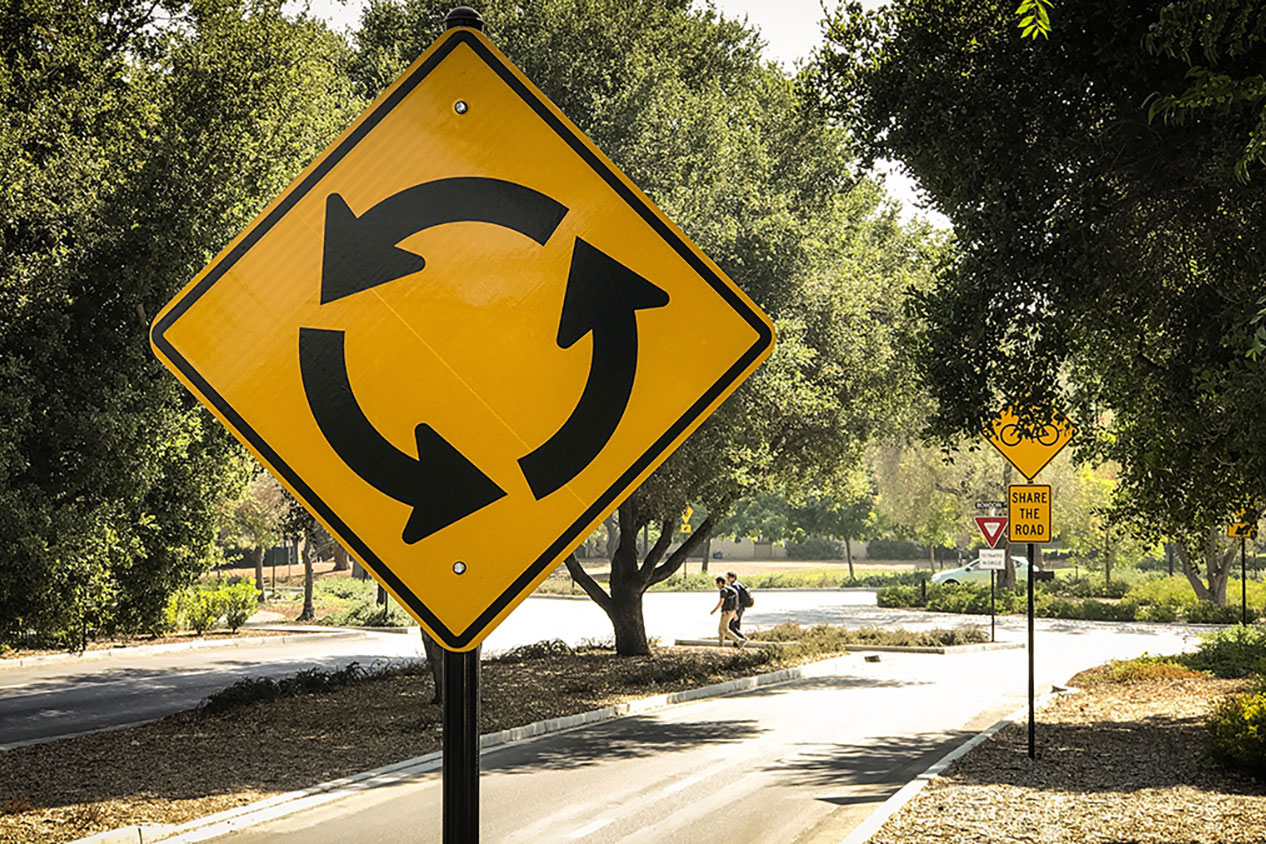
(1029, 454)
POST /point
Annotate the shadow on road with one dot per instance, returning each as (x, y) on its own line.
(881, 761)
(629, 738)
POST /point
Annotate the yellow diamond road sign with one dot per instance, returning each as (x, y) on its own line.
(1028, 454)
(460, 337)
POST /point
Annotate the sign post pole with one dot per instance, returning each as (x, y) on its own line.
(1243, 583)
(993, 613)
(1032, 712)
(461, 747)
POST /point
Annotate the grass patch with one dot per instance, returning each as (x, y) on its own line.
(1138, 670)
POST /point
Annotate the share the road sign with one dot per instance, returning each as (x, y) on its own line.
(461, 337)
(1029, 512)
(1029, 454)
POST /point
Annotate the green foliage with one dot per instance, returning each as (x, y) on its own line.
(1139, 670)
(812, 579)
(1034, 19)
(136, 138)
(1236, 730)
(894, 549)
(309, 681)
(345, 588)
(826, 638)
(1087, 277)
(1159, 613)
(1235, 652)
(815, 548)
(202, 608)
(239, 602)
(1207, 612)
(369, 613)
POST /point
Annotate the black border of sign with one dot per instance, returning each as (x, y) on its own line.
(608, 498)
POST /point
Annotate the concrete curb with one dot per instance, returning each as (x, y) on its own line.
(140, 834)
(894, 804)
(252, 814)
(199, 644)
(902, 649)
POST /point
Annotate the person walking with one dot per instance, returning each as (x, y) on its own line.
(727, 604)
(741, 595)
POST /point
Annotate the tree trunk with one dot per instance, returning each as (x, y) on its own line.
(630, 578)
(931, 558)
(848, 553)
(1007, 578)
(257, 556)
(613, 535)
(434, 661)
(707, 555)
(309, 612)
(1218, 567)
(1107, 557)
(342, 562)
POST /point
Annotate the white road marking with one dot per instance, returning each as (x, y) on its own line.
(590, 828)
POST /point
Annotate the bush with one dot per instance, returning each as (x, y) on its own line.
(202, 608)
(1160, 613)
(345, 588)
(898, 596)
(239, 601)
(1236, 729)
(1235, 652)
(1206, 612)
(1163, 591)
(369, 613)
(894, 549)
(1137, 670)
(815, 548)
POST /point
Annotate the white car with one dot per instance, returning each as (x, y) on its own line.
(974, 572)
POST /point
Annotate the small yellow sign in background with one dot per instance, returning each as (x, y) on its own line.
(1029, 455)
(1029, 513)
(462, 336)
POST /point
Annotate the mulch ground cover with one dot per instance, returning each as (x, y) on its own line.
(1116, 763)
(194, 764)
(169, 639)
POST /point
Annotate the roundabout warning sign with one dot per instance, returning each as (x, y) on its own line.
(461, 337)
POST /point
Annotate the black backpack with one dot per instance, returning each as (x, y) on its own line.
(746, 601)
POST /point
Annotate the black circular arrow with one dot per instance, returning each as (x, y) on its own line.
(603, 296)
(361, 252)
(441, 484)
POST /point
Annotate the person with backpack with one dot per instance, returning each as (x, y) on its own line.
(728, 605)
(745, 601)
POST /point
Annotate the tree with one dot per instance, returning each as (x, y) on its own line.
(136, 138)
(1106, 264)
(254, 520)
(682, 101)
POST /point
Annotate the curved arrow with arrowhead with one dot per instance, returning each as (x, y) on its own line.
(603, 296)
(440, 484)
(361, 252)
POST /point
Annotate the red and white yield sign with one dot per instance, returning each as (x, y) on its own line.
(992, 527)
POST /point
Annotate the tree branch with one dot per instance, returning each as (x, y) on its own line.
(656, 553)
(684, 550)
(587, 583)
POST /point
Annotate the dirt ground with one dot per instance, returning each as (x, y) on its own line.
(1116, 763)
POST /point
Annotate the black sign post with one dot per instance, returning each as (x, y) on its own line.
(1243, 584)
(461, 747)
(1032, 708)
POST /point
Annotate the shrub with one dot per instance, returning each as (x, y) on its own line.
(898, 596)
(345, 588)
(239, 601)
(1163, 591)
(369, 613)
(894, 549)
(1236, 730)
(1160, 612)
(1137, 670)
(815, 548)
(1235, 652)
(202, 609)
(1206, 612)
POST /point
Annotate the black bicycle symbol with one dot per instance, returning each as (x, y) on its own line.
(1011, 435)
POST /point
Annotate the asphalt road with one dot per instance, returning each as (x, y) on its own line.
(68, 697)
(803, 762)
